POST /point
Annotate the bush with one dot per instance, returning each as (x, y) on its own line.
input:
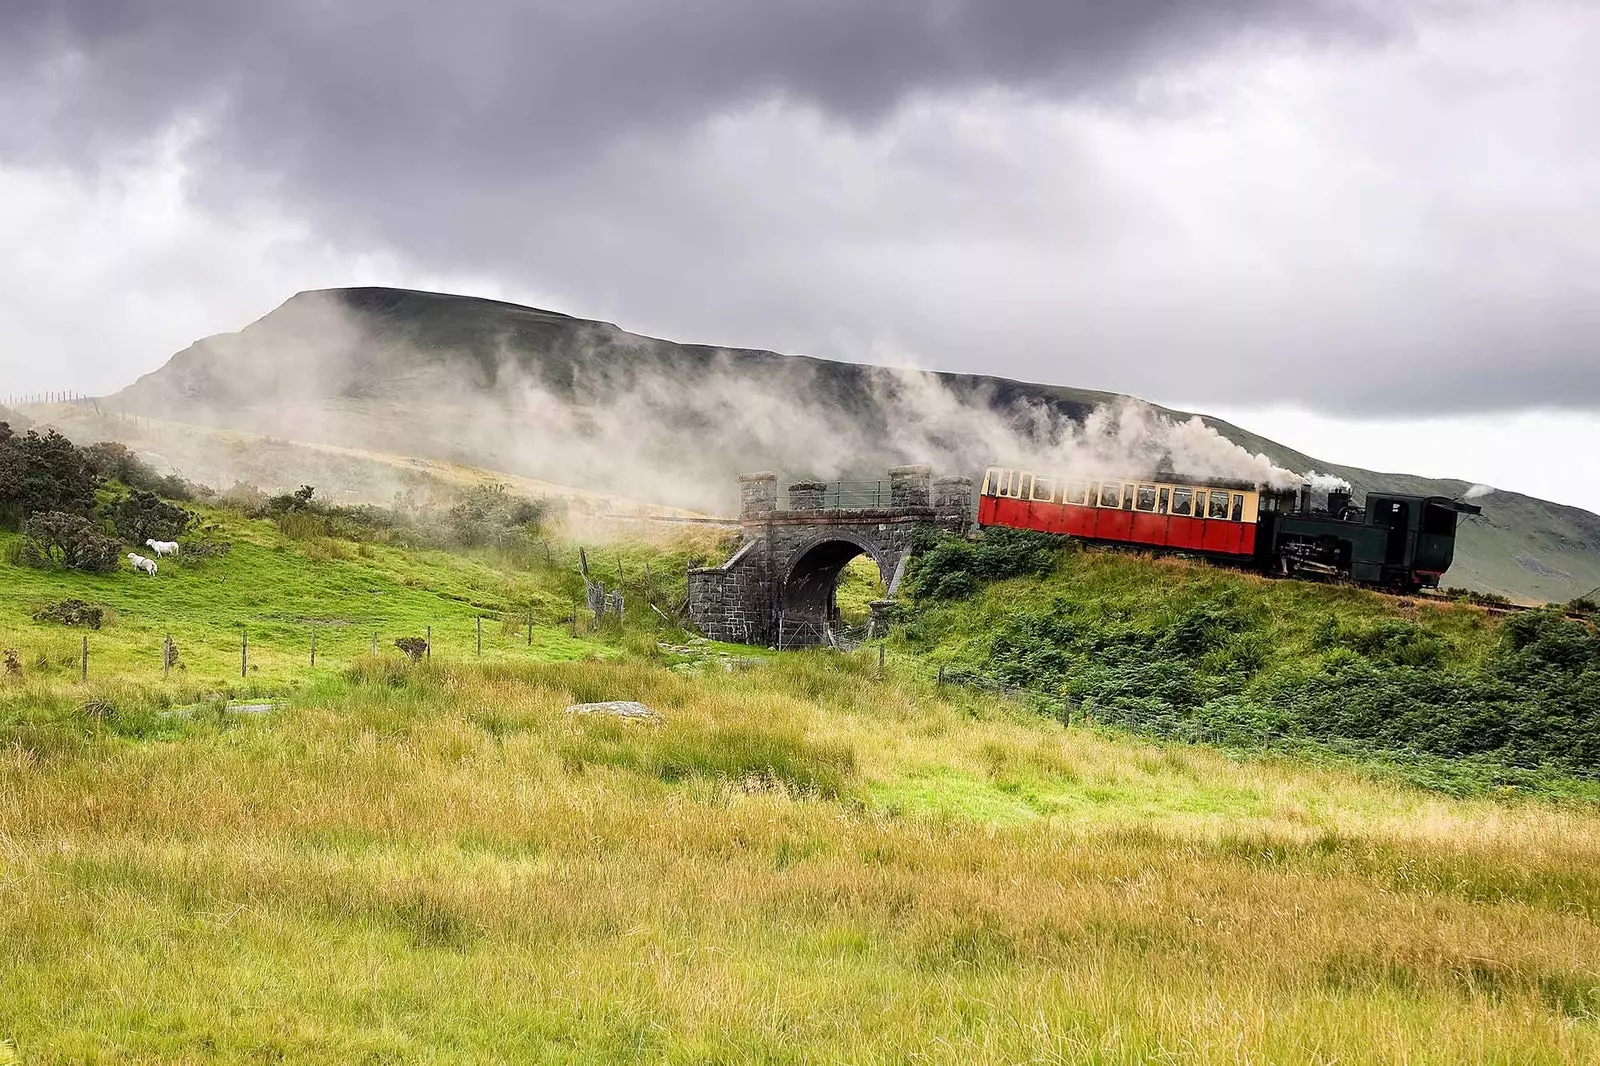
(141, 516)
(43, 474)
(951, 567)
(414, 647)
(58, 539)
(71, 613)
(489, 516)
(113, 461)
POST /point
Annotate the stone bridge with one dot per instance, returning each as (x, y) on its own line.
(779, 588)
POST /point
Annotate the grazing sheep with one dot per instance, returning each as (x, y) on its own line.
(163, 547)
(141, 563)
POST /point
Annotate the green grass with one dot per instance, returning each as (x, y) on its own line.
(797, 863)
(280, 592)
(800, 861)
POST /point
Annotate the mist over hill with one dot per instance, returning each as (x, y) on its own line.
(584, 403)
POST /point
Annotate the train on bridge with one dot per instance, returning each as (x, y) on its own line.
(1396, 541)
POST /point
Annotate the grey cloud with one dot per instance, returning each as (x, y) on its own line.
(843, 179)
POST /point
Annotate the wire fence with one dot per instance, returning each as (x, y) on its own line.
(274, 650)
(794, 634)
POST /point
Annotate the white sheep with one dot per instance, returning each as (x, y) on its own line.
(141, 563)
(163, 547)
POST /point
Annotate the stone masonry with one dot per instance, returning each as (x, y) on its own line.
(779, 586)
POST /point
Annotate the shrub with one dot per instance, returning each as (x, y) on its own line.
(43, 473)
(58, 539)
(488, 515)
(951, 567)
(71, 613)
(113, 461)
(141, 516)
(414, 647)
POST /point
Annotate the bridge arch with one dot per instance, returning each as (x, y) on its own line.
(810, 587)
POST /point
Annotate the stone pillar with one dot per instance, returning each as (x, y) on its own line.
(758, 494)
(953, 503)
(807, 495)
(909, 485)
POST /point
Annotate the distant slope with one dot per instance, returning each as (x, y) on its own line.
(578, 402)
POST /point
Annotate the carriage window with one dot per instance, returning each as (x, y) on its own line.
(1161, 505)
(1074, 491)
(1182, 501)
(1147, 498)
(1219, 505)
(1044, 489)
(1238, 508)
(1111, 494)
(1438, 521)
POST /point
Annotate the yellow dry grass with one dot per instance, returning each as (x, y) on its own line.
(798, 863)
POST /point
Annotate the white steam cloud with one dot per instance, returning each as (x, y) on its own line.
(623, 415)
(1326, 482)
(1477, 492)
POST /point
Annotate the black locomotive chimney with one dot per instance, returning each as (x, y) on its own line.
(1338, 502)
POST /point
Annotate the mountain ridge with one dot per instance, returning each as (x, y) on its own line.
(549, 395)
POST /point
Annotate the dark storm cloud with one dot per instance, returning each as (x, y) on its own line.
(710, 168)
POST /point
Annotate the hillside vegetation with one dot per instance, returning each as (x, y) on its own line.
(1194, 652)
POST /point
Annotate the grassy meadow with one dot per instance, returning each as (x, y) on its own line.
(802, 860)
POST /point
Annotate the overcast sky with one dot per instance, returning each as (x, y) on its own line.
(1335, 217)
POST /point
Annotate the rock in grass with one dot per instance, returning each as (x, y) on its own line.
(617, 709)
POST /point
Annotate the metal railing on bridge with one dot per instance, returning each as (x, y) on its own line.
(840, 495)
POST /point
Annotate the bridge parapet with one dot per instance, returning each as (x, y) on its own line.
(758, 494)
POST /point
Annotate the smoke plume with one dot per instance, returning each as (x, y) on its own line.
(602, 409)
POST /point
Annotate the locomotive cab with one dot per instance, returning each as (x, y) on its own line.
(1420, 533)
(1398, 540)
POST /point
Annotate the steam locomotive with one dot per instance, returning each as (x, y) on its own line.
(1396, 541)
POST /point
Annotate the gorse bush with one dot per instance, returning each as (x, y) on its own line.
(950, 567)
(141, 516)
(113, 461)
(1193, 653)
(43, 473)
(57, 539)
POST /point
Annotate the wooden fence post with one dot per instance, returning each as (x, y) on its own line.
(880, 660)
(480, 636)
(313, 649)
(244, 653)
(84, 661)
(427, 647)
(374, 642)
(166, 656)
(530, 629)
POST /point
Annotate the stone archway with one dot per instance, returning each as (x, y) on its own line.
(809, 592)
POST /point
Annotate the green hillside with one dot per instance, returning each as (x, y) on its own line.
(802, 859)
